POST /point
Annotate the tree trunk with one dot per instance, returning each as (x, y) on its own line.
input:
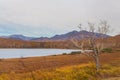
(97, 62)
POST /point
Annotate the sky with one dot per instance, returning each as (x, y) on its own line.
(49, 17)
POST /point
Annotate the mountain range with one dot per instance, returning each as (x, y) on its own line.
(73, 34)
(18, 37)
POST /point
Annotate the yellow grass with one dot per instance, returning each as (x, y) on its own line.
(78, 72)
(61, 67)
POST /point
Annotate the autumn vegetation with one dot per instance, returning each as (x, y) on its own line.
(60, 67)
(74, 66)
(12, 43)
(80, 72)
(112, 42)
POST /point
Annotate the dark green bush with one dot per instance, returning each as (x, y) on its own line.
(64, 54)
(73, 53)
(107, 50)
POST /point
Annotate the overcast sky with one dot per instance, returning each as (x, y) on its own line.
(50, 17)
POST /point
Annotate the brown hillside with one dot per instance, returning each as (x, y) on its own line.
(113, 42)
(11, 43)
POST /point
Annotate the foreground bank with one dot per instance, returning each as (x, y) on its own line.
(61, 67)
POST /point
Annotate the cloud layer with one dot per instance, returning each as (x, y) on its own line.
(49, 17)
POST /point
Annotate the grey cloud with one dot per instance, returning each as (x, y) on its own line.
(59, 14)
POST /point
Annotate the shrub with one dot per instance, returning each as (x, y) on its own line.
(73, 53)
(107, 50)
(54, 55)
(64, 54)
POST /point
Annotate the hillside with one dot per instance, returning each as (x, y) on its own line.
(13, 43)
(113, 41)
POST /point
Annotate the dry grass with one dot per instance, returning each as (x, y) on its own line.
(51, 62)
(79, 72)
(61, 67)
(113, 78)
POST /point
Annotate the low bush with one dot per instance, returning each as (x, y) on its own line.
(73, 53)
(64, 54)
(107, 50)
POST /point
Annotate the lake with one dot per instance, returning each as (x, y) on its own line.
(18, 53)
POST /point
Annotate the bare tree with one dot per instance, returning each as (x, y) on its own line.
(91, 40)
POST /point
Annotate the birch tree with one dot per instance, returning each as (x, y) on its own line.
(91, 40)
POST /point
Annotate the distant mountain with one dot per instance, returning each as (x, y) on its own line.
(61, 37)
(18, 37)
(74, 34)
